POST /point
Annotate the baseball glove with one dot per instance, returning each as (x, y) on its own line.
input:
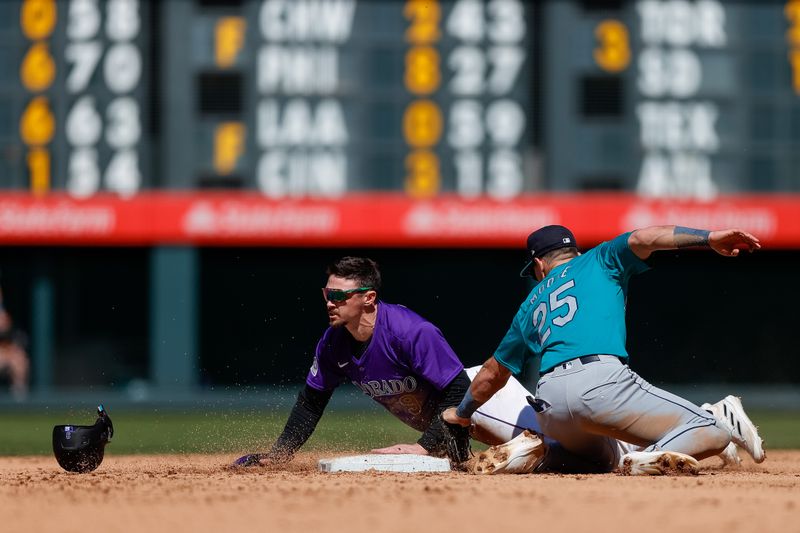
(456, 439)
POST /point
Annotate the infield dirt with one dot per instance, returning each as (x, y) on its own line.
(175, 493)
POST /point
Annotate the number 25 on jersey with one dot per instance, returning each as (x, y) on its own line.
(554, 302)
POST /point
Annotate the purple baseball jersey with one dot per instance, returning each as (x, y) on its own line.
(404, 367)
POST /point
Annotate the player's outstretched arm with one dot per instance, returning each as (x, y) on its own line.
(728, 242)
(491, 378)
(302, 422)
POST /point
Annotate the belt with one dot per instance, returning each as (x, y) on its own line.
(585, 360)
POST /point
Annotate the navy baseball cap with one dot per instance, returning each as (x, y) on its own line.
(545, 240)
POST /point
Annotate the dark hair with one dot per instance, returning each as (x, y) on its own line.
(361, 269)
(558, 253)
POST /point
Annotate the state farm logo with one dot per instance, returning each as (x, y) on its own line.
(201, 218)
(762, 221)
(246, 219)
(468, 221)
(63, 218)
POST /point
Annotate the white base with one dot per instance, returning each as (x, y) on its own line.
(385, 463)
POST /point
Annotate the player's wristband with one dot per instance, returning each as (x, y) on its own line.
(696, 237)
(468, 406)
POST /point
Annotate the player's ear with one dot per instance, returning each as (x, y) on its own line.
(370, 297)
(538, 268)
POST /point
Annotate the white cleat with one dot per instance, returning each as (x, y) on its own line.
(658, 464)
(743, 432)
(730, 455)
(520, 455)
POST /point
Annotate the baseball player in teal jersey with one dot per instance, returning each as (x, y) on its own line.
(587, 396)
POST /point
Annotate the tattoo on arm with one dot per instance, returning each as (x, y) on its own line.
(686, 237)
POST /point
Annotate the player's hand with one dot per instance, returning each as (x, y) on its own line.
(449, 415)
(414, 449)
(730, 242)
(246, 461)
(259, 459)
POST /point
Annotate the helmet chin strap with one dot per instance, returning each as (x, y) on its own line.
(103, 418)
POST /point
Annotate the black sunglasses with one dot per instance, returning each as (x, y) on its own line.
(340, 295)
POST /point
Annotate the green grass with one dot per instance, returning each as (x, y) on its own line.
(780, 430)
(204, 432)
(235, 432)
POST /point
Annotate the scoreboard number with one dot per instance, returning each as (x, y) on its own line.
(792, 12)
(422, 72)
(38, 70)
(37, 74)
(422, 119)
(614, 53)
(424, 16)
(84, 125)
(485, 132)
(38, 124)
(84, 57)
(92, 128)
(38, 18)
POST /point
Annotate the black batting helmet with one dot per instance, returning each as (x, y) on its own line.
(81, 448)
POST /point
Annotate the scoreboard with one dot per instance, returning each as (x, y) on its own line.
(678, 98)
(320, 98)
(78, 94)
(310, 98)
(483, 102)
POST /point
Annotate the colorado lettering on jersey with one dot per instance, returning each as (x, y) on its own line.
(387, 387)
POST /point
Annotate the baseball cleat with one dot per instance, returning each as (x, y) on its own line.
(730, 455)
(520, 455)
(743, 432)
(658, 464)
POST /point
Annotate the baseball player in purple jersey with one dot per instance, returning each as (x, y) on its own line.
(390, 353)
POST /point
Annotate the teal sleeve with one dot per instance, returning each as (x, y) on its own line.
(618, 259)
(512, 351)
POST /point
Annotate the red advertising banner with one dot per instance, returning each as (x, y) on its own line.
(210, 218)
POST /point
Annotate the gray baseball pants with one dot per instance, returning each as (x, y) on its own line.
(586, 405)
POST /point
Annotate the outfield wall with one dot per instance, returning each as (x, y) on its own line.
(185, 320)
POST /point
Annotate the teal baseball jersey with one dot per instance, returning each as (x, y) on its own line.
(577, 310)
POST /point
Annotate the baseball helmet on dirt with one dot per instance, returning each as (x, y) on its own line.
(81, 448)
